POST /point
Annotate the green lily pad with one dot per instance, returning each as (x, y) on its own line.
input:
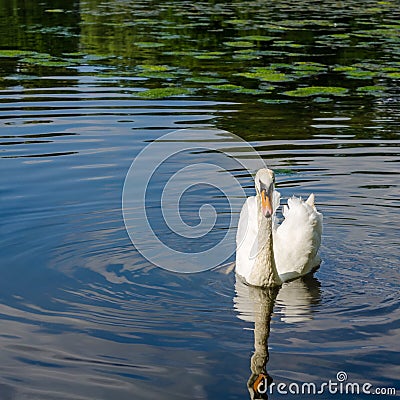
(209, 55)
(393, 75)
(206, 57)
(245, 57)
(149, 45)
(358, 74)
(371, 89)
(154, 68)
(160, 93)
(266, 74)
(340, 36)
(249, 91)
(344, 68)
(280, 65)
(237, 21)
(258, 38)
(239, 43)
(228, 87)
(15, 53)
(277, 27)
(296, 45)
(309, 66)
(180, 53)
(316, 90)
(281, 43)
(43, 62)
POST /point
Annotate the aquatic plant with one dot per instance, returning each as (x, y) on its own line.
(266, 74)
(316, 90)
(160, 93)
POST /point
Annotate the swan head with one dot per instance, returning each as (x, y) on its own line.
(265, 184)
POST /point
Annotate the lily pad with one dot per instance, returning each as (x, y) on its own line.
(239, 43)
(309, 66)
(154, 68)
(237, 21)
(160, 93)
(358, 74)
(228, 87)
(344, 68)
(316, 90)
(340, 36)
(149, 45)
(43, 62)
(266, 74)
(15, 53)
(179, 53)
(281, 43)
(393, 75)
(249, 91)
(371, 89)
(258, 38)
(245, 56)
(209, 55)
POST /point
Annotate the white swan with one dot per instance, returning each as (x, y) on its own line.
(268, 254)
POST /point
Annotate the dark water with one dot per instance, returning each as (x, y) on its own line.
(83, 314)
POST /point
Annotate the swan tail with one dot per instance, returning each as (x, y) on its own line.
(298, 238)
(311, 200)
(276, 199)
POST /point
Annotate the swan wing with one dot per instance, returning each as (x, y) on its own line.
(297, 239)
(246, 238)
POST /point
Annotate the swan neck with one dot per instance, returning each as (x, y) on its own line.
(264, 267)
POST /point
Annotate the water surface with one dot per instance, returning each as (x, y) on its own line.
(83, 314)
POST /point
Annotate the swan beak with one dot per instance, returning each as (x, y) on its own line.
(266, 204)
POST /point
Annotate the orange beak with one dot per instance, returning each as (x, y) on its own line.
(266, 206)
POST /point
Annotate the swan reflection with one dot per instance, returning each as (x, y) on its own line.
(293, 303)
